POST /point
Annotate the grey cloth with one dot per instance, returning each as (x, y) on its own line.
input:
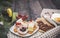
(49, 34)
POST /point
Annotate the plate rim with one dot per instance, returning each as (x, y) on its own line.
(23, 36)
(50, 21)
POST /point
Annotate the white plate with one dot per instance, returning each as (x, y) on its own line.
(12, 30)
(55, 15)
(50, 20)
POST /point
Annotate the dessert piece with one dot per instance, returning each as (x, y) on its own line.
(23, 29)
(44, 25)
(57, 19)
(15, 29)
(21, 25)
(18, 24)
(24, 17)
(31, 26)
(21, 20)
(19, 16)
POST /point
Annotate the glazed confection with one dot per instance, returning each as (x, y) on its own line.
(21, 26)
(31, 27)
(44, 25)
(57, 19)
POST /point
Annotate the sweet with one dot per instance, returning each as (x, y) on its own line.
(15, 29)
(57, 19)
(21, 25)
(31, 27)
(23, 17)
(44, 25)
(23, 28)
